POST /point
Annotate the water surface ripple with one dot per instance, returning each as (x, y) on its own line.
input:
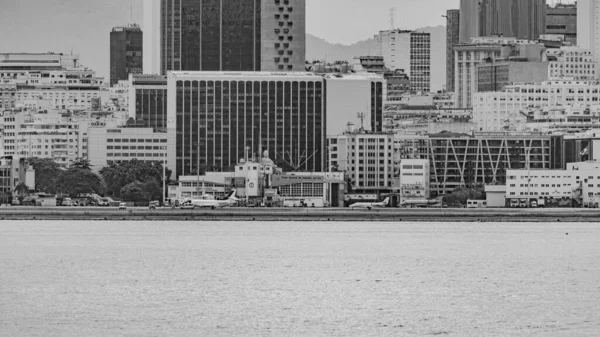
(298, 279)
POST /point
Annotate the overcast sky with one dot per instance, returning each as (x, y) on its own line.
(84, 25)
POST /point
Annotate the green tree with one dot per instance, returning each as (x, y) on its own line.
(22, 189)
(141, 191)
(75, 181)
(461, 195)
(119, 175)
(47, 172)
(81, 163)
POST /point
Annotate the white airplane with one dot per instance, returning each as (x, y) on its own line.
(420, 202)
(371, 205)
(231, 200)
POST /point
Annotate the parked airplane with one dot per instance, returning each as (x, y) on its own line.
(371, 205)
(231, 200)
(420, 203)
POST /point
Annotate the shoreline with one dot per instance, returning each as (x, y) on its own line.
(302, 214)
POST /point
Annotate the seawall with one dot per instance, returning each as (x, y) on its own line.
(302, 214)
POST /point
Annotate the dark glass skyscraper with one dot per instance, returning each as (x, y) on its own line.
(126, 47)
(210, 35)
(521, 19)
(232, 35)
(452, 37)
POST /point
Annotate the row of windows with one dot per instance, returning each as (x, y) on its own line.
(132, 140)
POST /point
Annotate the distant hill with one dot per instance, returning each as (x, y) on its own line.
(320, 49)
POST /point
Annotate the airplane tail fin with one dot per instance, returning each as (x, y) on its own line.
(386, 201)
(232, 196)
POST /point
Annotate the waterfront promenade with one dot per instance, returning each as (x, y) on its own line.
(304, 214)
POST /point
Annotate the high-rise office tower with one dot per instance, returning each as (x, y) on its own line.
(452, 36)
(410, 51)
(588, 23)
(521, 19)
(213, 117)
(232, 35)
(561, 19)
(126, 49)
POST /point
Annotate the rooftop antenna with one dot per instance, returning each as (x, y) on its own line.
(392, 18)
(361, 116)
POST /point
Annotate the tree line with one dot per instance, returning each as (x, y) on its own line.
(132, 180)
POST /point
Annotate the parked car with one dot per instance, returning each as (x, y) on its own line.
(154, 204)
(122, 205)
(187, 205)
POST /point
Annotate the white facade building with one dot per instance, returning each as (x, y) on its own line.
(571, 63)
(367, 158)
(509, 108)
(107, 145)
(588, 25)
(414, 179)
(580, 182)
(408, 50)
(36, 136)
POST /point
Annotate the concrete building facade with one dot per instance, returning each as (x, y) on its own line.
(588, 25)
(493, 111)
(572, 63)
(408, 50)
(366, 158)
(107, 145)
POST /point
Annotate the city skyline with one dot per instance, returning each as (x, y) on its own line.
(84, 28)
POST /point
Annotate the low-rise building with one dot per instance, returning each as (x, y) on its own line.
(577, 186)
(107, 145)
(259, 182)
(414, 179)
(366, 158)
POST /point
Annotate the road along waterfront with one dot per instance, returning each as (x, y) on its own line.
(305, 214)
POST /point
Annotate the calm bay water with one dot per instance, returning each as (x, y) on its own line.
(298, 279)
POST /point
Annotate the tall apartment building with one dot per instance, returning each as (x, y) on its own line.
(521, 19)
(588, 24)
(452, 39)
(232, 35)
(213, 118)
(366, 158)
(126, 49)
(148, 100)
(408, 50)
(561, 19)
(151, 28)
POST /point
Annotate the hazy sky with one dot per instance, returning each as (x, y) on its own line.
(84, 25)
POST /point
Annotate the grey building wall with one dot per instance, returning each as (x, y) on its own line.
(283, 35)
